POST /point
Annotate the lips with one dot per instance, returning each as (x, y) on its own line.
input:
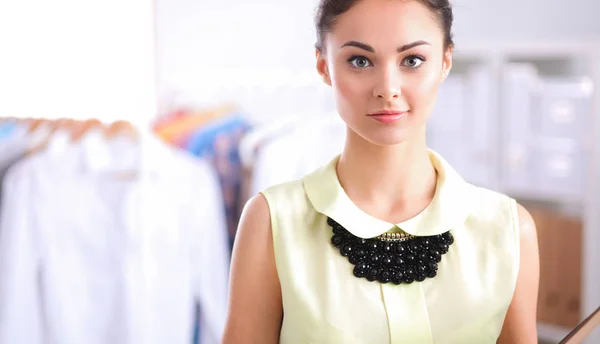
(388, 116)
(388, 113)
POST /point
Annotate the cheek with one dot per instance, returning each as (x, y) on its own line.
(350, 87)
(426, 82)
(423, 89)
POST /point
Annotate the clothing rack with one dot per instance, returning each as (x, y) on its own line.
(143, 226)
(264, 95)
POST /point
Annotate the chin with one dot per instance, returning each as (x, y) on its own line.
(386, 137)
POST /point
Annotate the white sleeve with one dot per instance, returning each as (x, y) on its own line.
(210, 255)
(276, 163)
(20, 306)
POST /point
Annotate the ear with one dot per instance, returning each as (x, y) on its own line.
(322, 67)
(447, 63)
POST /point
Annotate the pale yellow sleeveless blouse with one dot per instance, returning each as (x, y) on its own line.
(324, 303)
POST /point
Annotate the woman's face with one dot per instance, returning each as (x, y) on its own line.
(380, 56)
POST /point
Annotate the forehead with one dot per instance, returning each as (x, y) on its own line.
(386, 23)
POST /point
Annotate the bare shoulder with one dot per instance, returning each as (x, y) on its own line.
(254, 284)
(254, 228)
(527, 226)
(256, 212)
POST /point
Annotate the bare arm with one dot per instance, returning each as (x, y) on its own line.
(520, 322)
(255, 308)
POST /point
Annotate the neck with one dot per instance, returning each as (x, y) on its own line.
(393, 183)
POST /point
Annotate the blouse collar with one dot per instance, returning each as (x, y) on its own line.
(448, 209)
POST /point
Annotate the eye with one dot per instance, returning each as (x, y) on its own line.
(359, 62)
(413, 61)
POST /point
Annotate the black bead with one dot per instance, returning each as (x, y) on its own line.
(374, 245)
(431, 274)
(386, 260)
(420, 277)
(384, 276)
(354, 259)
(337, 240)
(388, 247)
(443, 248)
(362, 266)
(338, 230)
(420, 269)
(400, 248)
(371, 278)
(361, 253)
(359, 272)
(450, 239)
(398, 261)
(375, 259)
(411, 258)
(346, 250)
(413, 247)
(423, 256)
(394, 280)
(331, 222)
(433, 266)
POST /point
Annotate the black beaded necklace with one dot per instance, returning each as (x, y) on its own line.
(396, 258)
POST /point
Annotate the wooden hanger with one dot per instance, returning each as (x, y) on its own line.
(119, 127)
(35, 123)
(55, 125)
(83, 127)
(67, 124)
(185, 125)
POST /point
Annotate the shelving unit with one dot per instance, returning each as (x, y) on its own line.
(573, 59)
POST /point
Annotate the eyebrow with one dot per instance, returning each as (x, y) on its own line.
(369, 48)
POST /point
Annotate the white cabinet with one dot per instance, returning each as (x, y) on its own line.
(544, 140)
(530, 128)
(560, 172)
(461, 126)
(544, 171)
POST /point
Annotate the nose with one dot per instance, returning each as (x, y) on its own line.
(388, 86)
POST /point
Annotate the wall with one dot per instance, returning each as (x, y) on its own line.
(77, 58)
(196, 36)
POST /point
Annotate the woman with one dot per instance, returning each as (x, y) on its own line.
(387, 243)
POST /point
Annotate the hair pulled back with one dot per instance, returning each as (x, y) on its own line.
(329, 10)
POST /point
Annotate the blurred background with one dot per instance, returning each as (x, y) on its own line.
(133, 132)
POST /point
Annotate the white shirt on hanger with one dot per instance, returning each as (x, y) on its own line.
(299, 152)
(97, 254)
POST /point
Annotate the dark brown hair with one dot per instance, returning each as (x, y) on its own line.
(329, 10)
